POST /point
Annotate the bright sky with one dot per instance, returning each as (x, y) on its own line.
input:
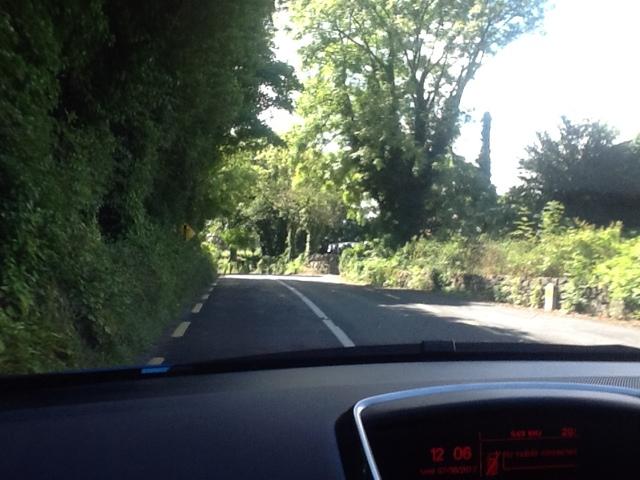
(585, 65)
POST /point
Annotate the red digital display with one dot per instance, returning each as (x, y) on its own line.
(516, 453)
(523, 440)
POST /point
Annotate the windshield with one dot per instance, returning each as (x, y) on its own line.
(190, 181)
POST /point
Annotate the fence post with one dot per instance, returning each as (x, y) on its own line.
(550, 296)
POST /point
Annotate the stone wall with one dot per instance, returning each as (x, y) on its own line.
(324, 263)
(530, 292)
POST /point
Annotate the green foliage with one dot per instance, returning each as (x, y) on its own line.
(422, 262)
(295, 266)
(284, 195)
(103, 308)
(553, 220)
(524, 224)
(281, 265)
(597, 180)
(240, 238)
(594, 263)
(464, 201)
(368, 263)
(113, 116)
(388, 79)
(621, 275)
(484, 159)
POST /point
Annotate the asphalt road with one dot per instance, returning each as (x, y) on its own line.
(252, 314)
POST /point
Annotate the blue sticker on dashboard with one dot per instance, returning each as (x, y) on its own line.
(151, 370)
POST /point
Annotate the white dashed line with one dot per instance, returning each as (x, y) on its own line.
(336, 330)
(156, 361)
(180, 331)
(196, 308)
(205, 297)
(390, 295)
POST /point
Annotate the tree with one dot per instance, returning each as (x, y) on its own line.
(484, 159)
(464, 200)
(594, 178)
(286, 193)
(388, 82)
(113, 115)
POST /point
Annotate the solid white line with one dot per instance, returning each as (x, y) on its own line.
(342, 337)
(339, 333)
(196, 308)
(156, 361)
(182, 328)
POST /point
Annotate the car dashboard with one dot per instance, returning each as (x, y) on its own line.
(434, 420)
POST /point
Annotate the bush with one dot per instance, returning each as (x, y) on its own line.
(597, 264)
(103, 308)
(367, 263)
(100, 162)
(621, 275)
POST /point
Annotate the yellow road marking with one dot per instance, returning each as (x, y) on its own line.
(180, 331)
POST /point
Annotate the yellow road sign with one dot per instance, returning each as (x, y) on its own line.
(187, 232)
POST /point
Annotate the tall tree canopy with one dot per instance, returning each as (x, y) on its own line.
(387, 82)
(596, 179)
(133, 101)
(112, 116)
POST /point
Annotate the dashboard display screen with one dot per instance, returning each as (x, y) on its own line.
(499, 453)
(553, 444)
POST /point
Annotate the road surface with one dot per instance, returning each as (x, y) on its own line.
(253, 314)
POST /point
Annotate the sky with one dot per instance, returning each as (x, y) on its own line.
(584, 64)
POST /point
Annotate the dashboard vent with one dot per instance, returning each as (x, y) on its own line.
(626, 382)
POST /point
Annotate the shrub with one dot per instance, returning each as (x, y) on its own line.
(596, 263)
(621, 275)
(103, 308)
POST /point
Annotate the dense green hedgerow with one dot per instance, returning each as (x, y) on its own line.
(113, 115)
(98, 304)
(589, 258)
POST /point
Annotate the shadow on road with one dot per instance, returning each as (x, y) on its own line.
(378, 315)
(372, 315)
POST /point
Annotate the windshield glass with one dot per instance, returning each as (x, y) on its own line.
(199, 180)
